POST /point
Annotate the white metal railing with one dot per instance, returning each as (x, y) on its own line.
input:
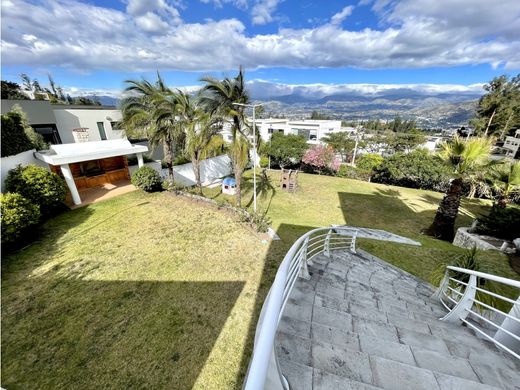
(463, 301)
(264, 371)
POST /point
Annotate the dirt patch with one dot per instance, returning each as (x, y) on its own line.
(514, 262)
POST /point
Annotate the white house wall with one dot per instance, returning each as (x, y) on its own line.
(69, 119)
(23, 159)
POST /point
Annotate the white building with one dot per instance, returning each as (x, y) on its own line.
(312, 130)
(512, 145)
(56, 122)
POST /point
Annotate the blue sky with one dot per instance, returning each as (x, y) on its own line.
(96, 45)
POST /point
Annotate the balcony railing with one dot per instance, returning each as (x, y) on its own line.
(462, 293)
(264, 371)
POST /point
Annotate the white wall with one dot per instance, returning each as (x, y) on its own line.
(210, 169)
(24, 158)
(68, 119)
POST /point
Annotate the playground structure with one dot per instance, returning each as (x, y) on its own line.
(289, 180)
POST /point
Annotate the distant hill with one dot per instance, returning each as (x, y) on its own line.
(105, 100)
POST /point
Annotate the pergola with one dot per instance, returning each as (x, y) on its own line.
(90, 164)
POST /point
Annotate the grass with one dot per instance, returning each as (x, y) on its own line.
(140, 291)
(324, 200)
(156, 291)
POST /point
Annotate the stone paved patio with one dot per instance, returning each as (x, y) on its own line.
(360, 323)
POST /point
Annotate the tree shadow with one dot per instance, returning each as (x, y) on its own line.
(264, 189)
(277, 250)
(115, 334)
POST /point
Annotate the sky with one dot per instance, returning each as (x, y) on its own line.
(93, 46)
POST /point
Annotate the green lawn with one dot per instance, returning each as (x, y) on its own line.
(158, 291)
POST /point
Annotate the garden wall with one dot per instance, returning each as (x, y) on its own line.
(24, 158)
(210, 169)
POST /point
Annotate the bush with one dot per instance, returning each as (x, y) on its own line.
(500, 222)
(18, 214)
(257, 220)
(37, 185)
(264, 162)
(417, 169)
(351, 172)
(147, 179)
(14, 138)
(368, 162)
(133, 160)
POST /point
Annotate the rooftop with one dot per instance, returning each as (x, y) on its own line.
(360, 323)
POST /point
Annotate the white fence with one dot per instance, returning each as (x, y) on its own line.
(462, 293)
(24, 158)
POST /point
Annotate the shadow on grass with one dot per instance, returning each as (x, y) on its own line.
(277, 250)
(113, 334)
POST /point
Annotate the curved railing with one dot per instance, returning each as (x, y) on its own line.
(264, 371)
(462, 293)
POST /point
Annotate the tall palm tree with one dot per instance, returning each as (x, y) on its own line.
(464, 157)
(505, 181)
(150, 111)
(220, 96)
(200, 128)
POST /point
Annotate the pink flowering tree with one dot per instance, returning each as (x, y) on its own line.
(321, 158)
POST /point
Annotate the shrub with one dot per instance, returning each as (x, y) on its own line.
(35, 138)
(147, 179)
(14, 138)
(257, 220)
(417, 169)
(321, 159)
(500, 222)
(351, 172)
(18, 214)
(133, 160)
(37, 185)
(368, 162)
(264, 161)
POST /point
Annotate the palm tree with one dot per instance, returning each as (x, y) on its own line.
(220, 96)
(464, 157)
(200, 128)
(150, 111)
(505, 181)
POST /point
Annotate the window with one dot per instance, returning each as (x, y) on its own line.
(313, 135)
(102, 133)
(49, 133)
(115, 126)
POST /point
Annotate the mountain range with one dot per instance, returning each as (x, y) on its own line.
(432, 106)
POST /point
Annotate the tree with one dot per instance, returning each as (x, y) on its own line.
(150, 111)
(286, 149)
(321, 158)
(341, 143)
(319, 116)
(12, 91)
(14, 138)
(463, 157)
(504, 179)
(201, 127)
(36, 139)
(498, 111)
(220, 96)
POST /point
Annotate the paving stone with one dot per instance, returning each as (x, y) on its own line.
(374, 329)
(343, 362)
(332, 318)
(407, 323)
(337, 304)
(494, 373)
(422, 340)
(331, 335)
(298, 311)
(368, 312)
(444, 364)
(293, 348)
(447, 382)
(294, 326)
(299, 376)
(388, 350)
(398, 376)
(323, 380)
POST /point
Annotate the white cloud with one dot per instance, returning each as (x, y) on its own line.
(415, 34)
(342, 15)
(262, 12)
(241, 4)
